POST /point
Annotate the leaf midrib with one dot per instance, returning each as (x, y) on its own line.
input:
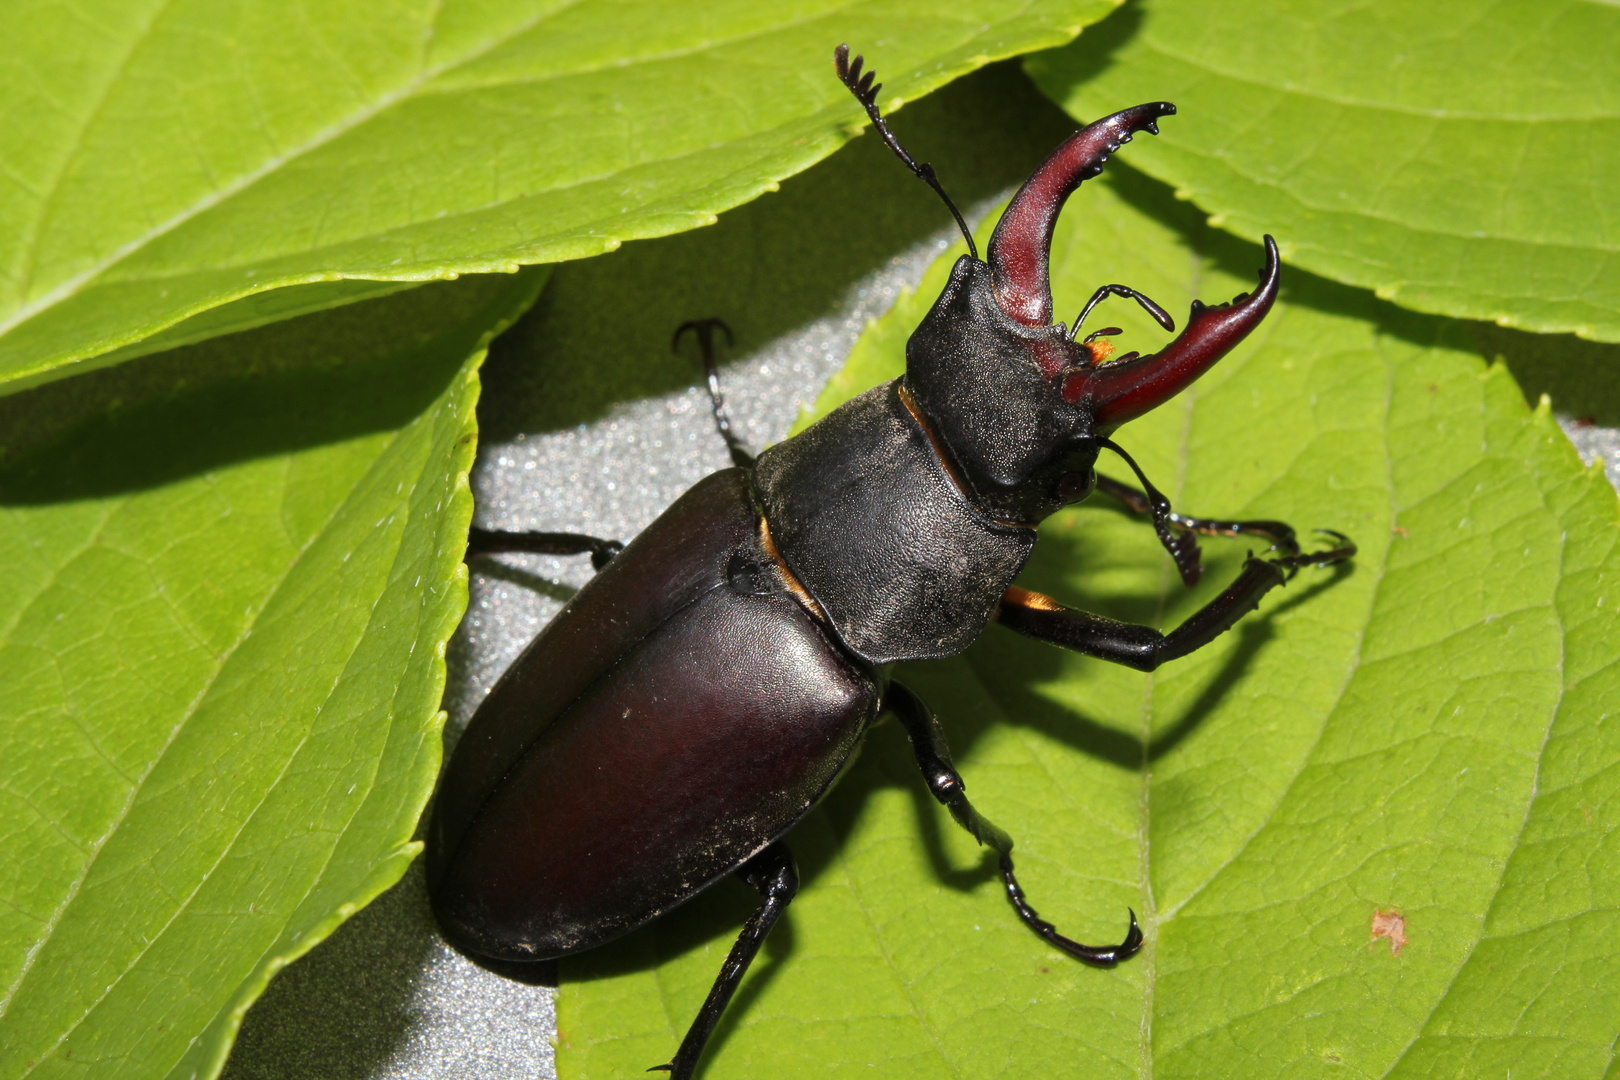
(342, 126)
(1351, 669)
(50, 195)
(1420, 1028)
(408, 89)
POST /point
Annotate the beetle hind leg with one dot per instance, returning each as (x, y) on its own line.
(773, 874)
(934, 759)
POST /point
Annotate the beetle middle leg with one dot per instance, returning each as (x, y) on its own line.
(1279, 533)
(773, 874)
(945, 783)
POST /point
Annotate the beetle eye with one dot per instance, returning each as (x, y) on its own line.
(1074, 486)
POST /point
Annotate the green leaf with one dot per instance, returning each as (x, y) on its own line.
(222, 634)
(1458, 158)
(174, 157)
(1420, 734)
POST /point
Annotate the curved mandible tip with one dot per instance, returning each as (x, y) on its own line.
(1022, 244)
(1124, 391)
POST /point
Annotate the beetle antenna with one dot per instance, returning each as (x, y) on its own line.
(849, 73)
(1183, 547)
(1160, 316)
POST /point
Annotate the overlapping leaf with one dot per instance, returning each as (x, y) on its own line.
(222, 634)
(166, 158)
(1458, 158)
(1420, 737)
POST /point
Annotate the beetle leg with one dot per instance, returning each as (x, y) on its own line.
(773, 874)
(1142, 647)
(704, 330)
(490, 542)
(934, 759)
(1279, 533)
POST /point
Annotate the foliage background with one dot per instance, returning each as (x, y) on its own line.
(208, 747)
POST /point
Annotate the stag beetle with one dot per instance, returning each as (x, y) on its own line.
(741, 646)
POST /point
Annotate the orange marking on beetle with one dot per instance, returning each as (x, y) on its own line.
(933, 440)
(942, 456)
(1101, 349)
(1034, 601)
(1391, 925)
(794, 586)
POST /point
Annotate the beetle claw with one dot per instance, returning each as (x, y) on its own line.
(1343, 548)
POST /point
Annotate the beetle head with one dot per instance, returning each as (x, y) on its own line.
(1021, 407)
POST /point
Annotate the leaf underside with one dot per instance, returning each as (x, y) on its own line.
(176, 157)
(1421, 736)
(222, 637)
(1458, 158)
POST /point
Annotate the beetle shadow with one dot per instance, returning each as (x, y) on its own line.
(317, 380)
(1083, 733)
(347, 1007)
(1125, 749)
(496, 570)
(1562, 360)
(931, 825)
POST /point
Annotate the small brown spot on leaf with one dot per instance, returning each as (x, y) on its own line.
(1045, 971)
(1389, 924)
(1398, 529)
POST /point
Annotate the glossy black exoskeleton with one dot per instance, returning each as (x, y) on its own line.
(710, 684)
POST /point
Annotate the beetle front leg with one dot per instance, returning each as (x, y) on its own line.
(934, 759)
(1279, 533)
(1039, 616)
(490, 542)
(773, 874)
